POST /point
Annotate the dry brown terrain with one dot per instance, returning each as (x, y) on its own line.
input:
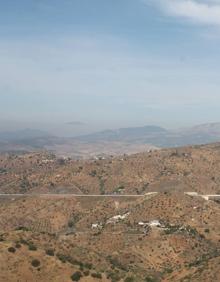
(167, 236)
(183, 169)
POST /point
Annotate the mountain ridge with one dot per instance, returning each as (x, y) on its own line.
(110, 142)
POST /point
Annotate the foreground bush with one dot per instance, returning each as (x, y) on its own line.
(76, 276)
(50, 252)
(32, 247)
(35, 263)
(11, 250)
(97, 275)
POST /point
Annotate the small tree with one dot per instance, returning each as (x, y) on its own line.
(35, 263)
(97, 275)
(11, 250)
(32, 247)
(76, 276)
(50, 252)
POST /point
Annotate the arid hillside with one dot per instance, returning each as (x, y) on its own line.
(182, 169)
(98, 221)
(163, 237)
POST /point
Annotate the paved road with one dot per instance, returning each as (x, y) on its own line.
(76, 195)
(206, 197)
(193, 194)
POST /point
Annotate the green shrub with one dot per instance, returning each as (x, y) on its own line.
(97, 275)
(76, 276)
(116, 263)
(62, 257)
(93, 173)
(65, 258)
(118, 189)
(32, 247)
(50, 252)
(75, 262)
(170, 229)
(35, 263)
(192, 231)
(23, 241)
(168, 270)
(18, 246)
(115, 277)
(3, 170)
(11, 250)
(86, 272)
(70, 223)
(88, 265)
(23, 228)
(150, 279)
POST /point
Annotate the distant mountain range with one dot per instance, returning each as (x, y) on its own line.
(158, 136)
(119, 141)
(124, 134)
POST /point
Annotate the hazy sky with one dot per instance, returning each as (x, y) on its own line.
(110, 63)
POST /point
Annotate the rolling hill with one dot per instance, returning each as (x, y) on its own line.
(102, 233)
